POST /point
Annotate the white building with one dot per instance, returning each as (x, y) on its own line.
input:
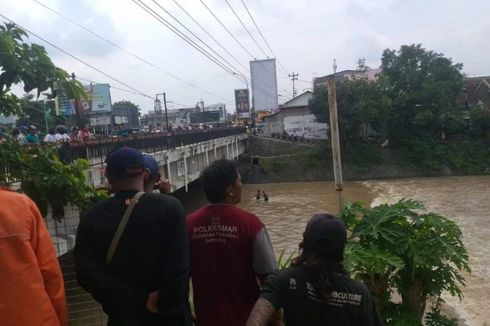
(295, 118)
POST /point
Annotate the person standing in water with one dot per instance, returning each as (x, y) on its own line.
(266, 198)
(257, 196)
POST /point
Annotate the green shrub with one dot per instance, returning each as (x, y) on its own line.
(420, 254)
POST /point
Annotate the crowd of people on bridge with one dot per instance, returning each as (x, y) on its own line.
(137, 254)
(63, 134)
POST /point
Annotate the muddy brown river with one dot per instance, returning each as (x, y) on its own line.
(466, 200)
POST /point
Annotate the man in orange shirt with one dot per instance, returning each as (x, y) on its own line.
(31, 284)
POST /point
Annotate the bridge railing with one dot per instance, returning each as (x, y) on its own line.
(99, 148)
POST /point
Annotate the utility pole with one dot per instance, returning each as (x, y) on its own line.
(77, 112)
(294, 77)
(166, 114)
(334, 132)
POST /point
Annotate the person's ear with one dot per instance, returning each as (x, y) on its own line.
(146, 175)
(230, 191)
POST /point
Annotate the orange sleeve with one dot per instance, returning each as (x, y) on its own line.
(49, 265)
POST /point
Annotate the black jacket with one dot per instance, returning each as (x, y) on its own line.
(152, 254)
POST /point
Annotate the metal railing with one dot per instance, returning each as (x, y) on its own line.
(147, 142)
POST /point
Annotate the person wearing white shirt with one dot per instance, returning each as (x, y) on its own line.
(50, 137)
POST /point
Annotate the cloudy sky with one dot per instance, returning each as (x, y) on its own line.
(305, 35)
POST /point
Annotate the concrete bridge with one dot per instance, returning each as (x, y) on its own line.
(181, 156)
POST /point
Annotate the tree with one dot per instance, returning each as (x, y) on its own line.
(423, 86)
(125, 104)
(42, 175)
(29, 64)
(480, 122)
(360, 103)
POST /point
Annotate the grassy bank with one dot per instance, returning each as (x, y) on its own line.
(368, 161)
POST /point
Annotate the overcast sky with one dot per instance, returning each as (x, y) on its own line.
(305, 35)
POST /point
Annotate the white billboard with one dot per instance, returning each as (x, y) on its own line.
(264, 84)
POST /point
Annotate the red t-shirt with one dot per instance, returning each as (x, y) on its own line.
(224, 283)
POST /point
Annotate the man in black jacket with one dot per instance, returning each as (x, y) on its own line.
(146, 282)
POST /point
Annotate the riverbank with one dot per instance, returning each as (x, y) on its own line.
(283, 161)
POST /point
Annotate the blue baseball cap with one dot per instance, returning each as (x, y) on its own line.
(151, 165)
(124, 162)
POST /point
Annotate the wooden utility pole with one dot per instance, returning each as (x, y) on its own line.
(334, 134)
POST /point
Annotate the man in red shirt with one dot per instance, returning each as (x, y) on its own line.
(230, 251)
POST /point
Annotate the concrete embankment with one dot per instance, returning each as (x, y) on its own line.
(273, 160)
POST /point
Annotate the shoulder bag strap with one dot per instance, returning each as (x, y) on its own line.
(121, 227)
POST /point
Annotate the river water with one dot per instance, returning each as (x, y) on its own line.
(466, 200)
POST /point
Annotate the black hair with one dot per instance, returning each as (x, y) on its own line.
(217, 177)
(322, 263)
(51, 131)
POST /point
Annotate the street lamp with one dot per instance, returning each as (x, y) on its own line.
(158, 107)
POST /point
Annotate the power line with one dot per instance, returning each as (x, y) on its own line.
(181, 35)
(115, 87)
(226, 29)
(188, 40)
(214, 39)
(193, 34)
(76, 58)
(124, 50)
(262, 35)
(246, 29)
(233, 36)
(209, 34)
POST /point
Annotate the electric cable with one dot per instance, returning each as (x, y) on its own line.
(126, 51)
(246, 29)
(76, 58)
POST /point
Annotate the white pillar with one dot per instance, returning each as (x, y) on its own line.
(185, 175)
(237, 149)
(169, 174)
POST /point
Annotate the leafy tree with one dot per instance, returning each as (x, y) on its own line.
(29, 65)
(360, 104)
(480, 122)
(42, 175)
(46, 179)
(423, 86)
(420, 254)
(125, 104)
